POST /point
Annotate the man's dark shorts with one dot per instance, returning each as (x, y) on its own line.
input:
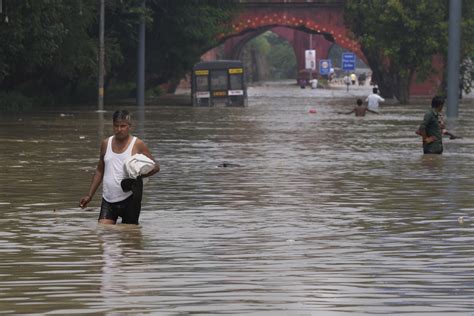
(125, 209)
(435, 152)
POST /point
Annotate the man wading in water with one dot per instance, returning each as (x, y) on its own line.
(359, 110)
(110, 169)
(431, 130)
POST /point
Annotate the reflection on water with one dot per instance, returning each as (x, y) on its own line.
(327, 214)
(122, 249)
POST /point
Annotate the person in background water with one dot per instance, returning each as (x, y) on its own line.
(302, 83)
(314, 83)
(444, 131)
(359, 110)
(347, 82)
(431, 130)
(110, 170)
(353, 78)
(374, 99)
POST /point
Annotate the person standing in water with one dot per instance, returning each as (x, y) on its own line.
(431, 130)
(347, 82)
(373, 100)
(359, 110)
(110, 171)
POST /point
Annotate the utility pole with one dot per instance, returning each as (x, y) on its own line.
(141, 60)
(101, 57)
(453, 57)
(310, 48)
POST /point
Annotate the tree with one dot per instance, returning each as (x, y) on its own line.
(281, 57)
(180, 32)
(254, 55)
(49, 47)
(467, 47)
(398, 39)
(46, 45)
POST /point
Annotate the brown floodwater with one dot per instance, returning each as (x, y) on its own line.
(323, 214)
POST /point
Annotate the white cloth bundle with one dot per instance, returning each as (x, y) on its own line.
(138, 165)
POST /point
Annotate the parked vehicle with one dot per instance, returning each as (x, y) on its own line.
(219, 82)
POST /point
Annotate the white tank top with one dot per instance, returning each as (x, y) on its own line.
(114, 173)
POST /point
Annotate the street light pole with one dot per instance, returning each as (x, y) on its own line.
(310, 48)
(453, 57)
(101, 57)
(141, 60)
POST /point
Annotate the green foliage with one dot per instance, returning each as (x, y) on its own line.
(154, 92)
(120, 90)
(467, 74)
(14, 102)
(278, 54)
(50, 47)
(467, 48)
(398, 38)
(261, 44)
(180, 33)
(281, 57)
(46, 42)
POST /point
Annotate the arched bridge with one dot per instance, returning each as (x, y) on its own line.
(295, 20)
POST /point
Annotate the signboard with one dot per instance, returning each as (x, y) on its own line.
(348, 61)
(203, 94)
(325, 66)
(219, 94)
(236, 70)
(236, 92)
(310, 59)
(201, 72)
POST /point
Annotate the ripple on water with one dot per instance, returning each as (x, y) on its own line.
(327, 214)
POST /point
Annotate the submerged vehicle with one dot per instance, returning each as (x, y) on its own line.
(219, 82)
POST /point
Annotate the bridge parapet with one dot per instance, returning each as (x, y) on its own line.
(322, 17)
(291, 2)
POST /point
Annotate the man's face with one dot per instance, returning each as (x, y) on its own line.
(121, 129)
(439, 108)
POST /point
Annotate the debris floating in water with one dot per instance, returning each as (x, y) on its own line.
(228, 164)
(312, 111)
(461, 220)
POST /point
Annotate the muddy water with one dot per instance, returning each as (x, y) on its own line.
(326, 214)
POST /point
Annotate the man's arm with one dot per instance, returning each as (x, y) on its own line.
(353, 110)
(426, 139)
(143, 149)
(97, 178)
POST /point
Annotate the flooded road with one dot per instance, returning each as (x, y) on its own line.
(325, 214)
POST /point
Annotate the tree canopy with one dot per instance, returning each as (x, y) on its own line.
(400, 37)
(50, 47)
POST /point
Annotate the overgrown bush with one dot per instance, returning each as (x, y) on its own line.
(14, 102)
(154, 92)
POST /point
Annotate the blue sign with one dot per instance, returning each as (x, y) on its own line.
(348, 61)
(325, 66)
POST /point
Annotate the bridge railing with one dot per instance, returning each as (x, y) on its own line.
(291, 2)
